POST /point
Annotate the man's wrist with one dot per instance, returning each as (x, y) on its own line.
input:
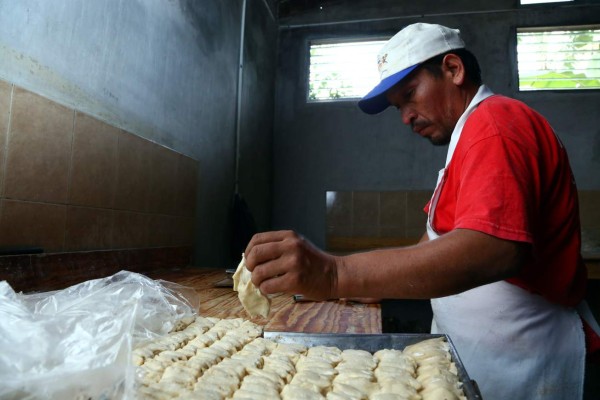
(338, 275)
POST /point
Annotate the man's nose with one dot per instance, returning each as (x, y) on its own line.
(408, 115)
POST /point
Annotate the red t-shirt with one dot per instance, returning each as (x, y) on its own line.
(510, 177)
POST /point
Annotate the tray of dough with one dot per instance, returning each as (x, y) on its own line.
(373, 343)
(230, 359)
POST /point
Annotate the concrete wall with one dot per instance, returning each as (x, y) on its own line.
(333, 146)
(167, 71)
(164, 70)
(257, 108)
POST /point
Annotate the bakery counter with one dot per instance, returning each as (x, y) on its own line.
(286, 315)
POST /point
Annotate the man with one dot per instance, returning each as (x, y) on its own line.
(501, 255)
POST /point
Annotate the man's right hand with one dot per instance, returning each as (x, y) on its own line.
(284, 261)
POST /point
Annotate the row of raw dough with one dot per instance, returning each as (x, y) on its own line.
(222, 359)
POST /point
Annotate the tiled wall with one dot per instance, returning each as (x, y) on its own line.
(397, 217)
(363, 219)
(589, 212)
(70, 182)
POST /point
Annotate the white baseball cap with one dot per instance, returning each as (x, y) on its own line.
(403, 53)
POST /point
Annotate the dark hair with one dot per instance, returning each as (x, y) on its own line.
(472, 70)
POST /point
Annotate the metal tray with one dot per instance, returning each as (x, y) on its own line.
(373, 343)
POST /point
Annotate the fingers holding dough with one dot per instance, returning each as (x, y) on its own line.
(253, 301)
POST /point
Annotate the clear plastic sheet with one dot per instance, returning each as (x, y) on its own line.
(76, 343)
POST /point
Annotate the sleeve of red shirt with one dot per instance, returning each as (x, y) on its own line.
(497, 183)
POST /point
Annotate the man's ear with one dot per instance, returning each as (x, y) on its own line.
(454, 67)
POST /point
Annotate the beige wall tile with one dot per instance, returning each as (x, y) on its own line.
(162, 173)
(589, 208)
(162, 230)
(133, 172)
(187, 186)
(339, 213)
(184, 231)
(94, 165)
(415, 217)
(129, 230)
(119, 190)
(365, 211)
(392, 214)
(39, 149)
(5, 93)
(32, 224)
(88, 229)
(168, 230)
(589, 214)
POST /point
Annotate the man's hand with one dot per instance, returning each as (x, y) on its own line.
(284, 261)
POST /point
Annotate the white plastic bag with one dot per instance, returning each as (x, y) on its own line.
(76, 343)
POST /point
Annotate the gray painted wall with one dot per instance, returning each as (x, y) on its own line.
(167, 71)
(334, 146)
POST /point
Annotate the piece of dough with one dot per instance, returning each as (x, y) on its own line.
(264, 390)
(297, 392)
(311, 380)
(330, 353)
(253, 301)
(356, 390)
(441, 393)
(389, 396)
(399, 388)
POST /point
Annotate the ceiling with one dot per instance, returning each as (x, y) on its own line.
(287, 8)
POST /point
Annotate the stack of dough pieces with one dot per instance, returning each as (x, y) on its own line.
(228, 359)
(253, 301)
(435, 370)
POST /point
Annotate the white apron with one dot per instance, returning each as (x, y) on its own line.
(514, 344)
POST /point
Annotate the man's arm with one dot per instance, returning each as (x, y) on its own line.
(457, 261)
(368, 300)
(454, 262)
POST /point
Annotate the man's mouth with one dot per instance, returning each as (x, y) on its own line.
(418, 128)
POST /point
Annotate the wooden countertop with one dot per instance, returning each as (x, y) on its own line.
(286, 315)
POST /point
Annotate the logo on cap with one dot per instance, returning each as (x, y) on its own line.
(381, 60)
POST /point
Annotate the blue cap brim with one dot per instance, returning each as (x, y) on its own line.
(375, 101)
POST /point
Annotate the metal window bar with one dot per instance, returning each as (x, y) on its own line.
(543, 1)
(559, 59)
(344, 70)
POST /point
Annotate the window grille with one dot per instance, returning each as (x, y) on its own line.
(344, 70)
(543, 1)
(559, 58)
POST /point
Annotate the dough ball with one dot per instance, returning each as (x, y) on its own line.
(253, 301)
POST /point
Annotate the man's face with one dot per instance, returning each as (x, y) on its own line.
(427, 104)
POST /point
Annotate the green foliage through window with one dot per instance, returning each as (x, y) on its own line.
(558, 58)
(343, 70)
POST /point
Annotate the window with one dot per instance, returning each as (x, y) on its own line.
(343, 70)
(564, 58)
(543, 1)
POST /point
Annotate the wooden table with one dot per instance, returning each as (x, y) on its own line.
(286, 315)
